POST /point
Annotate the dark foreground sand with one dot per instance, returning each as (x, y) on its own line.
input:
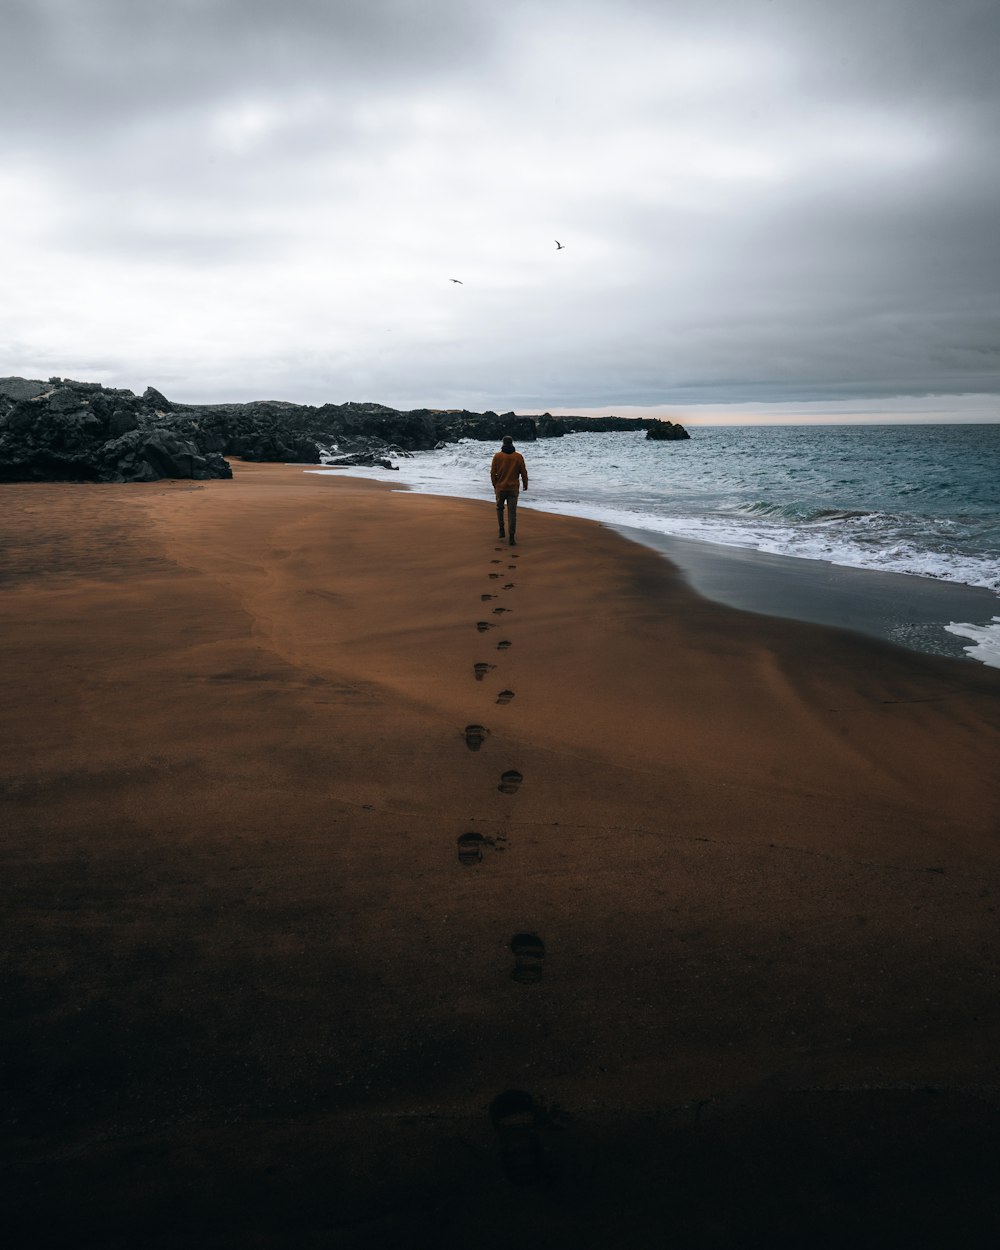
(253, 999)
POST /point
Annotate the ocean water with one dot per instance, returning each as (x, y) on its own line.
(917, 501)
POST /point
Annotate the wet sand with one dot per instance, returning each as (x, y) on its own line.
(913, 612)
(254, 996)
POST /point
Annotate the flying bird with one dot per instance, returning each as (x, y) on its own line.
(559, 246)
(458, 280)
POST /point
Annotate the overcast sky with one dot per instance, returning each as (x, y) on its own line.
(762, 202)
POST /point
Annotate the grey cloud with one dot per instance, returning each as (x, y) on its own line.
(849, 274)
(71, 64)
(886, 45)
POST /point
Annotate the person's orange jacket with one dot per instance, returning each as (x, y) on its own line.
(508, 471)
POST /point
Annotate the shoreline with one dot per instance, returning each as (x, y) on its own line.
(255, 992)
(913, 612)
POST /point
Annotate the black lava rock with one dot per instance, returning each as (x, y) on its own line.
(665, 431)
(65, 430)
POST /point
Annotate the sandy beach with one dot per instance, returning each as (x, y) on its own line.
(254, 997)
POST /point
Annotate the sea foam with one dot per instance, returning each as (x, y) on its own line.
(915, 500)
(985, 641)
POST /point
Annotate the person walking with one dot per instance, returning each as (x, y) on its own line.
(507, 472)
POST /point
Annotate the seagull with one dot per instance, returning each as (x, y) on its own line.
(559, 246)
(458, 280)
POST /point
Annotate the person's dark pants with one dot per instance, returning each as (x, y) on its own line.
(508, 497)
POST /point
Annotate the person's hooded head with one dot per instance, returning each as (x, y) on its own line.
(507, 443)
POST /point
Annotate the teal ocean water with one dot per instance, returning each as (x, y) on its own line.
(919, 501)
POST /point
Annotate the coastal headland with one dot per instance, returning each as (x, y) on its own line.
(65, 430)
(368, 882)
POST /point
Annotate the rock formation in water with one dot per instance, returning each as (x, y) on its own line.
(63, 430)
(665, 431)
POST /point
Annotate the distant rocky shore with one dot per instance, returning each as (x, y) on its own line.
(61, 430)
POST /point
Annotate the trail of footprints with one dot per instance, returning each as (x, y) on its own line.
(515, 1115)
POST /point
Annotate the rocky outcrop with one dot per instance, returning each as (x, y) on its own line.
(146, 455)
(487, 426)
(367, 459)
(84, 431)
(665, 431)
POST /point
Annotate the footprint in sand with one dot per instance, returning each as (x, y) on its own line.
(516, 1117)
(470, 849)
(496, 561)
(504, 644)
(510, 781)
(486, 598)
(472, 845)
(498, 611)
(509, 586)
(481, 669)
(475, 736)
(505, 696)
(493, 576)
(529, 956)
(483, 626)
